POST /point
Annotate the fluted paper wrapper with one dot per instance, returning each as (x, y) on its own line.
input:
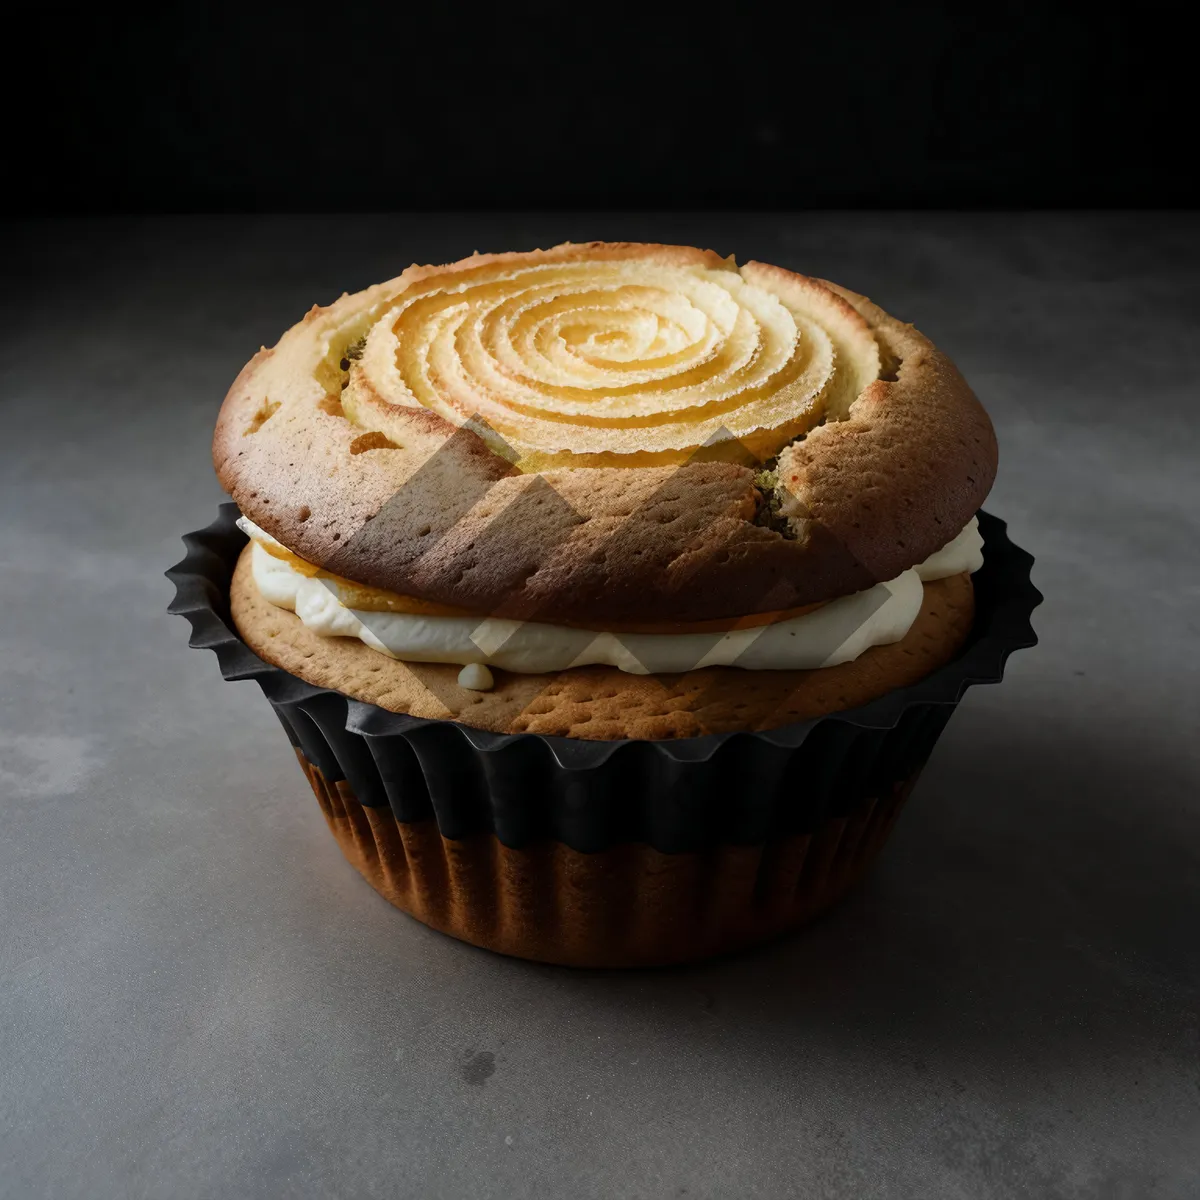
(610, 852)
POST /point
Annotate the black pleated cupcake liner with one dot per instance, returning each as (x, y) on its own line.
(675, 795)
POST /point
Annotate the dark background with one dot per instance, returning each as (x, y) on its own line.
(351, 108)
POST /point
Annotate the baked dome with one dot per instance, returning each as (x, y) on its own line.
(606, 432)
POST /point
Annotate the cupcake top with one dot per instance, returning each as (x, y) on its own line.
(610, 435)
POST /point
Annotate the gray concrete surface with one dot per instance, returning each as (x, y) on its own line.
(198, 997)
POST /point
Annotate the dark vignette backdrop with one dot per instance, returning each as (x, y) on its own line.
(352, 108)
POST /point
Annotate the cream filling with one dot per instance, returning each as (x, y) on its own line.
(837, 632)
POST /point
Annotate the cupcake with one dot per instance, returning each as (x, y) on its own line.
(612, 596)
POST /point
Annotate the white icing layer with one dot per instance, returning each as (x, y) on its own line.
(835, 633)
(962, 553)
(475, 677)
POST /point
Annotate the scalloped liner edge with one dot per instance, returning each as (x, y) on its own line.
(1006, 627)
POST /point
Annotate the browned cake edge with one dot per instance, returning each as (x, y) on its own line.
(443, 518)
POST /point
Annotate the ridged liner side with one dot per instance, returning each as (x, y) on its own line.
(675, 796)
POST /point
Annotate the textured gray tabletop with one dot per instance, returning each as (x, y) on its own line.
(199, 997)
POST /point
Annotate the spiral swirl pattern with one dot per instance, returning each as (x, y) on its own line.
(626, 362)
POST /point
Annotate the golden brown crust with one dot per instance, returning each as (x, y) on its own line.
(892, 480)
(602, 702)
(429, 509)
